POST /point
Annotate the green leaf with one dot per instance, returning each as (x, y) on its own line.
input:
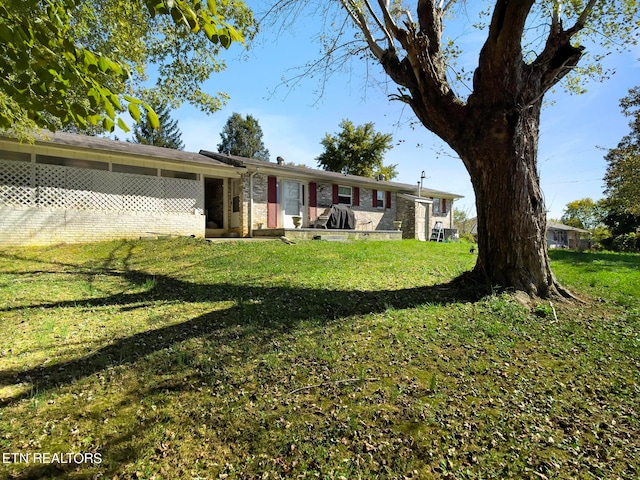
(211, 32)
(116, 67)
(123, 126)
(103, 64)
(94, 97)
(6, 32)
(225, 40)
(116, 102)
(89, 58)
(131, 99)
(108, 108)
(108, 124)
(153, 119)
(212, 7)
(134, 111)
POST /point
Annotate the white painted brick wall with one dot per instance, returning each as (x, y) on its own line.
(40, 226)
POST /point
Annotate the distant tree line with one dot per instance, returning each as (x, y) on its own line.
(615, 219)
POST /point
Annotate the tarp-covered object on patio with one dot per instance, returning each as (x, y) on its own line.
(341, 217)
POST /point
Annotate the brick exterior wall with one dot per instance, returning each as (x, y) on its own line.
(413, 216)
(370, 218)
(406, 211)
(367, 217)
(41, 226)
(259, 200)
(446, 219)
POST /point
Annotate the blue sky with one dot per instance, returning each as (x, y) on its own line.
(294, 120)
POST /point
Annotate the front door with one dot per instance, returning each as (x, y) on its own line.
(291, 202)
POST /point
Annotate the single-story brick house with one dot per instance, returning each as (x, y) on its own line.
(275, 193)
(73, 188)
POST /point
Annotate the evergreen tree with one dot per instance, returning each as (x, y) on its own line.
(243, 137)
(166, 135)
(357, 151)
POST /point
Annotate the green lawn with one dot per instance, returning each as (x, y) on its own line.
(179, 358)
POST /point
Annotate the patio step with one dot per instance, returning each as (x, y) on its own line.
(331, 238)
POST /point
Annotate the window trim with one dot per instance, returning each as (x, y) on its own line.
(381, 203)
(349, 196)
(438, 204)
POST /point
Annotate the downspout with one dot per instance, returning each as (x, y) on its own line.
(251, 203)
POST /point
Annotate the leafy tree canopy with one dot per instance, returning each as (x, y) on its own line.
(583, 213)
(357, 150)
(84, 62)
(243, 137)
(622, 177)
(167, 134)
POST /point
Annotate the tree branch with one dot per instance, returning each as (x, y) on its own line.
(430, 22)
(382, 27)
(501, 61)
(358, 18)
(559, 57)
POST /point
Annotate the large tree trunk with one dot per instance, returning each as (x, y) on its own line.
(495, 131)
(499, 149)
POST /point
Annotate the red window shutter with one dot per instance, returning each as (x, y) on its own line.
(388, 205)
(272, 202)
(444, 205)
(374, 195)
(336, 200)
(356, 197)
(313, 200)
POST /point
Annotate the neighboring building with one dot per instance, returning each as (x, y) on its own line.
(74, 188)
(558, 235)
(564, 236)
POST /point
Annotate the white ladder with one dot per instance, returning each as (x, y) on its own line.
(437, 232)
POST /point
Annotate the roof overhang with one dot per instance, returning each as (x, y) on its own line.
(312, 174)
(61, 143)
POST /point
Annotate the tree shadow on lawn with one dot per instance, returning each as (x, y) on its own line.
(258, 317)
(264, 311)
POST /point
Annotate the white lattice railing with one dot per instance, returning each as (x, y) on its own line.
(53, 186)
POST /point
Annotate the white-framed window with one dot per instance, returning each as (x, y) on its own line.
(381, 198)
(560, 237)
(345, 195)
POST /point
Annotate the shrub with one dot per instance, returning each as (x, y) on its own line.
(628, 242)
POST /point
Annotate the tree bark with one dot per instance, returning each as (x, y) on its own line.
(499, 148)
